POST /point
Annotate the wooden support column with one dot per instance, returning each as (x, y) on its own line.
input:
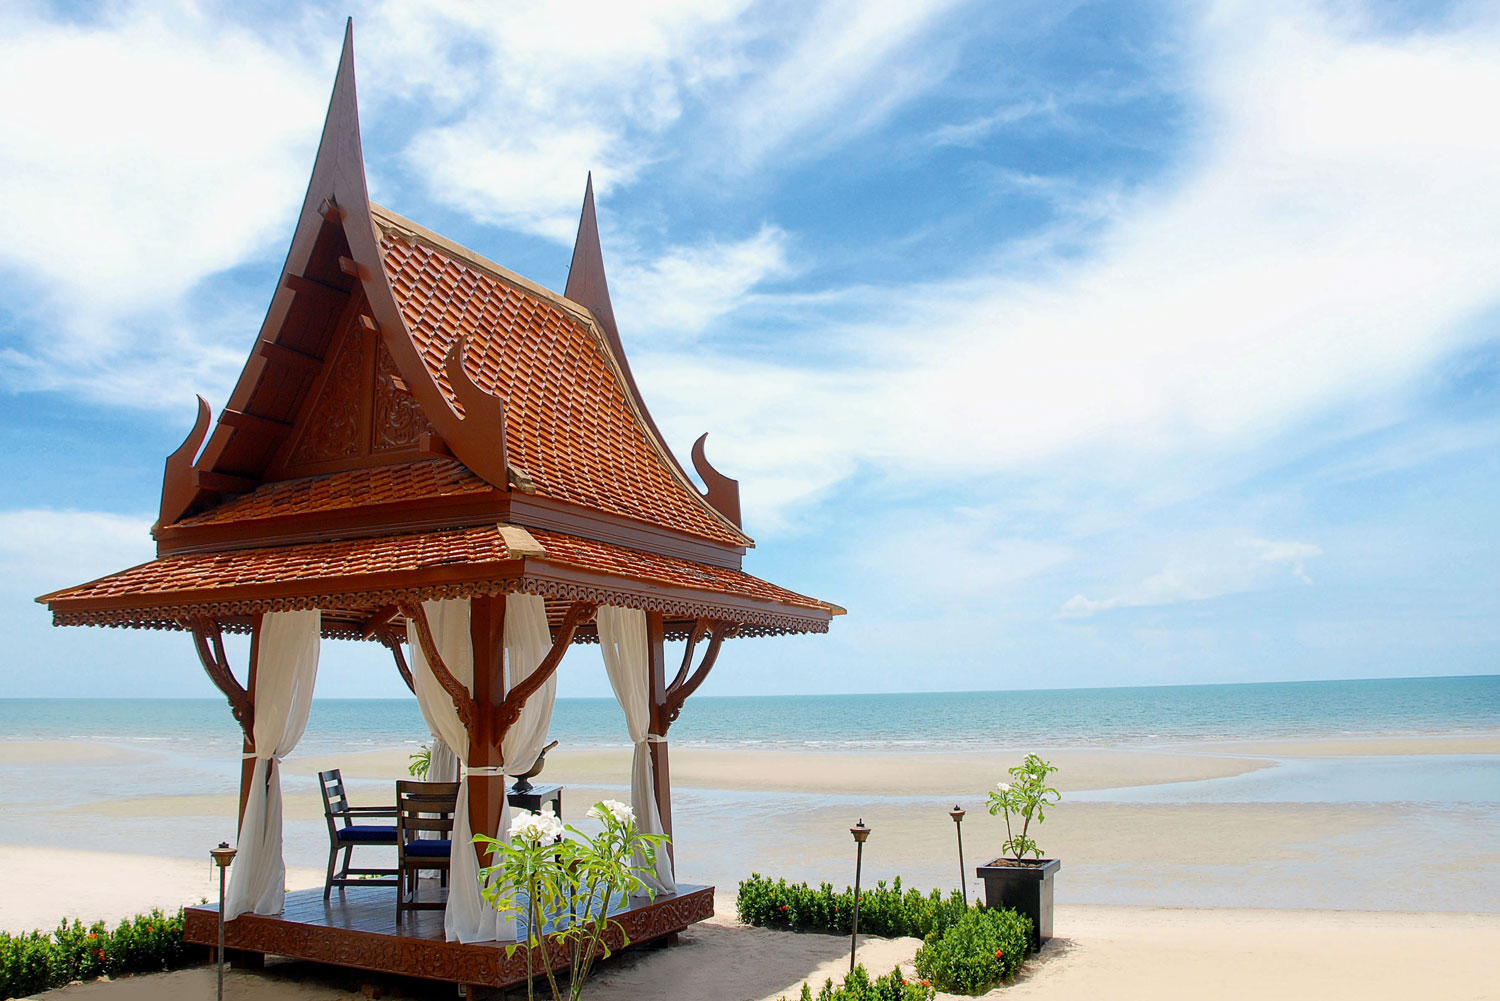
(247, 764)
(661, 764)
(208, 639)
(486, 792)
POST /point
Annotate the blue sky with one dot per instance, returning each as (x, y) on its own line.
(1064, 344)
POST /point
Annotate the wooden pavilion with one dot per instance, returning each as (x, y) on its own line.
(416, 427)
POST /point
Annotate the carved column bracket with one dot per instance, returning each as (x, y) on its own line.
(208, 638)
(507, 712)
(392, 642)
(463, 702)
(685, 684)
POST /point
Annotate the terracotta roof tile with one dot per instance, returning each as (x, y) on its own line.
(152, 589)
(603, 557)
(569, 424)
(292, 565)
(355, 488)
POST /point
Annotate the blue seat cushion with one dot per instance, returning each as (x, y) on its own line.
(429, 849)
(366, 835)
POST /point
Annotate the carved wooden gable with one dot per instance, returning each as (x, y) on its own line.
(360, 413)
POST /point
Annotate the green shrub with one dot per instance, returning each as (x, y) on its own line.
(35, 961)
(981, 949)
(857, 986)
(888, 912)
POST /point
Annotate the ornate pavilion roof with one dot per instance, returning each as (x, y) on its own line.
(416, 421)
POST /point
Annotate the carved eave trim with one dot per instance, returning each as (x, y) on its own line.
(378, 591)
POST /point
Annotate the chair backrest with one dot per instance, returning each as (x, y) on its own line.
(424, 808)
(334, 801)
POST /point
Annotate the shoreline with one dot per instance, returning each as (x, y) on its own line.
(1194, 827)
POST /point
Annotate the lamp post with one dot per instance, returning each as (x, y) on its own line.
(860, 832)
(958, 824)
(223, 855)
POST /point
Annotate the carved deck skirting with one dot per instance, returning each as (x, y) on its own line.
(483, 963)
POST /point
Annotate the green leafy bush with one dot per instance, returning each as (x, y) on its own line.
(858, 986)
(981, 949)
(35, 961)
(888, 912)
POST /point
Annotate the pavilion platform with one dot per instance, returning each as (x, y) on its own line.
(357, 928)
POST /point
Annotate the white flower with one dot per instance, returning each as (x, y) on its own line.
(621, 812)
(1003, 786)
(535, 828)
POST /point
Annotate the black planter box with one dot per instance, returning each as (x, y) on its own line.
(1026, 888)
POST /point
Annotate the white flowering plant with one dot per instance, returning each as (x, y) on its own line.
(561, 882)
(1026, 797)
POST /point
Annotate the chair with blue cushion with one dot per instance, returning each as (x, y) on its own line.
(424, 839)
(350, 827)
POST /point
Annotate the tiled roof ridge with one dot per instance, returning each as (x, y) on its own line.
(390, 223)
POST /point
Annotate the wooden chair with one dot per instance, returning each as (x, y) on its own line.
(423, 809)
(344, 835)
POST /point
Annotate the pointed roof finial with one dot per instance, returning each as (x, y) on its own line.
(587, 285)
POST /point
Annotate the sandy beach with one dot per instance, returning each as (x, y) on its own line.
(1126, 953)
(1169, 888)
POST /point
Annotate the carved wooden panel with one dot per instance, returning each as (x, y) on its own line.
(398, 420)
(334, 425)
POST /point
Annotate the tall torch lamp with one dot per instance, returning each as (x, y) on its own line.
(223, 855)
(958, 824)
(860, 832)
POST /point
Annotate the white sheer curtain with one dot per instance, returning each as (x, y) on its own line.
(467, 918)
(285, 671)
(442, 766)
(528, 639)
(622, 636)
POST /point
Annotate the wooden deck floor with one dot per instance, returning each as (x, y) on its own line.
(357, 928)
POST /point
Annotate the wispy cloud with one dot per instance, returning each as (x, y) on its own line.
(679, 293)
(1199, 576)
(1326, 238)
(523, 100)
(974, 131)
(849, 65)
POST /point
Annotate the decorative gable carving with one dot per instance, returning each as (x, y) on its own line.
(399, 421)
(361, 413)
(333, 429)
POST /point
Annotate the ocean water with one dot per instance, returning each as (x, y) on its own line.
(1350, 813)
(906, 722)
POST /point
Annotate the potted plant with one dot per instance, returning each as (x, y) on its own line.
(1013, 880)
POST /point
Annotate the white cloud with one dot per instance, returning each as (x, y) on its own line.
(1206, 573)
(851, 63)
(1325, 239)
(138, 155)
(961, 559)
(685, 289)
(973, 131)
(43, 549)
(528, 97)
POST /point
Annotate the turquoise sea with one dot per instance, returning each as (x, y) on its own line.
(100, 768)
(909, 722)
